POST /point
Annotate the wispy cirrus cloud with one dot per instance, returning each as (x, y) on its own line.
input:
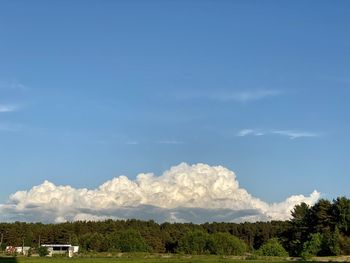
(8, 108)
(245, 96)
(246, 132)
(169, 142)
(227, 96)
(296, 134)
(13, 85)
(137, 142)
(291, 134)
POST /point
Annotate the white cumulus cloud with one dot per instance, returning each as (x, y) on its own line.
(185, 193)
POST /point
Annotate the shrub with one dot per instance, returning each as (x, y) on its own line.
(226, 244)
(272, 248)
(43, 251)
(344, 244)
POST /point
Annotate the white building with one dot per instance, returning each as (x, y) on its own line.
(61, 249)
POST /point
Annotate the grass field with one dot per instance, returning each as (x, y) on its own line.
(125, 260)
(157, 258)
(136, 258)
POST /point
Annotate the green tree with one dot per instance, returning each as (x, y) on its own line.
(74, 240)
(131, 241)
(194, 242)
(300, 229)
(341, 211)
(330, 243)
(97, 242)
(299, 214)
(321, 216)
(313, 246)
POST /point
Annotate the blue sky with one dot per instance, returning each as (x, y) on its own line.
(90, 90)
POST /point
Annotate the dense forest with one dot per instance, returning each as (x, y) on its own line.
(322, 229)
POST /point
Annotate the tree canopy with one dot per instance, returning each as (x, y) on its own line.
(321, 229)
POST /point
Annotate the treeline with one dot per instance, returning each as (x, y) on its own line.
(322, 229)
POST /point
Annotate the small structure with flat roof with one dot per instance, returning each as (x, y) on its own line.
(59, 249)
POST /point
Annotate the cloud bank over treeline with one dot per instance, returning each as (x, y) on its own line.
(186, 193)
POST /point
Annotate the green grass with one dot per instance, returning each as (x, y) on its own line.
(124, 260)
(158, 258)
(139, 258)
